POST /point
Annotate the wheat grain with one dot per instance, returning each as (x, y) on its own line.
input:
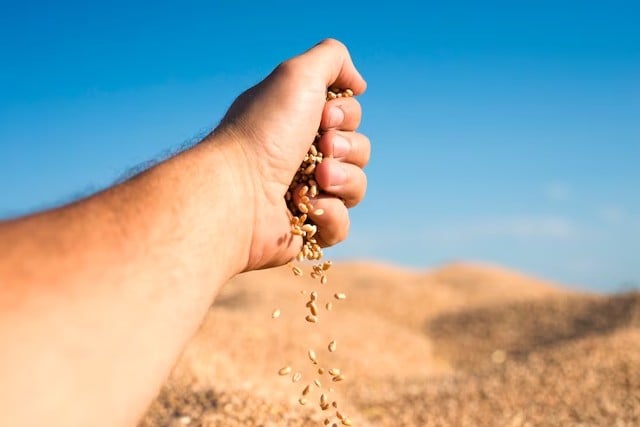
(300, 197)
(285, 371)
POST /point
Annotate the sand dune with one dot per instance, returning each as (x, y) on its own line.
(464, 344)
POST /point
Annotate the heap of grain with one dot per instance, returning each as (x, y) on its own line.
(301, 225)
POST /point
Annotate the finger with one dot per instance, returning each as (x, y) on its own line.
(333, 223)
(332, 59)
(349, 147)
(341, 113)
(343, 180)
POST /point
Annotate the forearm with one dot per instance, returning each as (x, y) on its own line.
(100, 296)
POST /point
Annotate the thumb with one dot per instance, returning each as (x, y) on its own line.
(332, 60)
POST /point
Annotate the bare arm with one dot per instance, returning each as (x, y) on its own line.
(98, 298)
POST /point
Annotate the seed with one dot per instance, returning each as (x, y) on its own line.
(314, 309)
(312, 232)
(301, 192)
(309, 206)
(275, 314)
(327, 421)
(346, 422)
(309, 229)
(339, 415)
(324, 401)
(285, 371)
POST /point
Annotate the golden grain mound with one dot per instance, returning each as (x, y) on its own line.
(464, 345)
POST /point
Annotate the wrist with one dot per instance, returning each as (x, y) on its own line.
(231, 192)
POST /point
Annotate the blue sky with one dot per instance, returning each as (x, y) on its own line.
(505, 132)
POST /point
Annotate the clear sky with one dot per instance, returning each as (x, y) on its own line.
(506, 132)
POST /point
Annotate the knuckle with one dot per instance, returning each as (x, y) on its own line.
(359, 190)
(344, 230)
(287, 68)
(366, 149)
(329, 41)
(339, 229)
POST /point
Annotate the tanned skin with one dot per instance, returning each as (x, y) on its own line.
(99, 297)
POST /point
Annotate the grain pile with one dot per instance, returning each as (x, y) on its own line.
(299, 197)
(461, 346)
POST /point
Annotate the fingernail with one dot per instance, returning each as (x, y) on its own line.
(341, 146)
(336, 116)
(338, 175)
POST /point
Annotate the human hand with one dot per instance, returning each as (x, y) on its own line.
(272, 126)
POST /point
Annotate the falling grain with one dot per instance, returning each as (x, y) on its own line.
(285, 371)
